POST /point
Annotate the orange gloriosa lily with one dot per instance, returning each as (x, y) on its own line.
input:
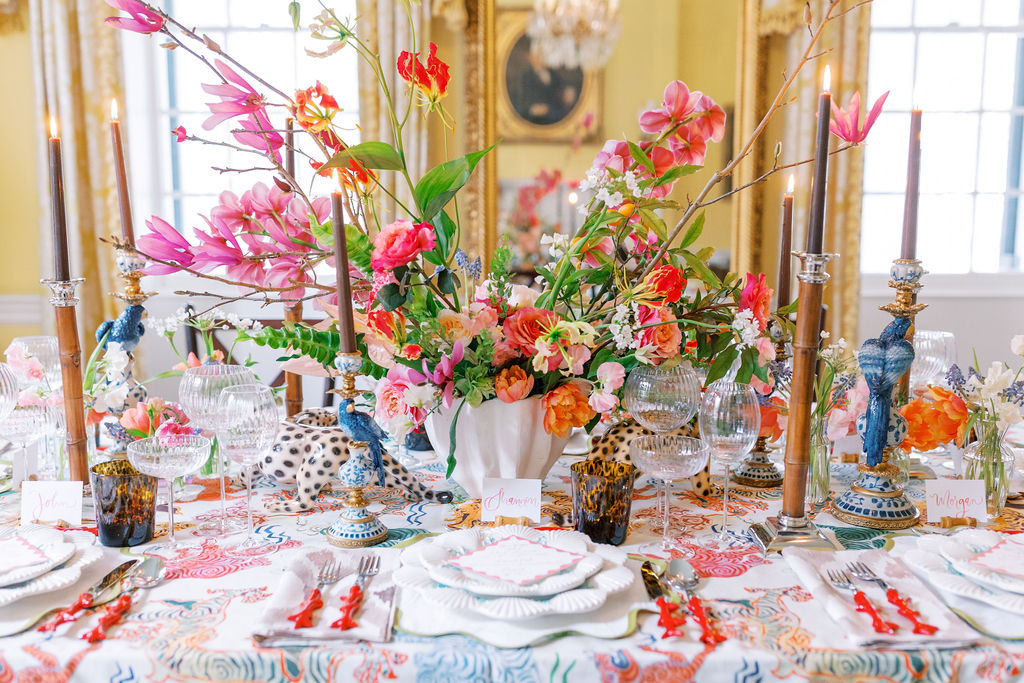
(430, 78)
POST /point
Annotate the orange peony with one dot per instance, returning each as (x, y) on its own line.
(523, 327)
(565, 407)
(664, 285)
(938, 417)
(513, 384)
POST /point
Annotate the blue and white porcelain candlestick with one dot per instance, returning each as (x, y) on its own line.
(357, 527)
(875, 500)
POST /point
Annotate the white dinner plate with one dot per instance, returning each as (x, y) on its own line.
(49, 542)
(964, 547)
(84, 551)
(927, 560)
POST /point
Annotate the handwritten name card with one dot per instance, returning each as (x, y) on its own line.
(48, 502)
(955, 498)
(510, 498)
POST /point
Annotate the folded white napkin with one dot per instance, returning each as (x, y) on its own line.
(812, 567)
(374, 617)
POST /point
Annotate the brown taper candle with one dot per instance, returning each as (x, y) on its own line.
(816, 227)
(61, 266)
(346, 326)
(786, 245)
(121, 175)
(908, 249)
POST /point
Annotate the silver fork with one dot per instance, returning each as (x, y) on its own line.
(369, 566)
(864, 573)
(330, 572)
(841, 580)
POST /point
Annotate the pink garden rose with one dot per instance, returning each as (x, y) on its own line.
(390, 393)
(757, 296)
(666, 338)
(399, 243)
(523, 327)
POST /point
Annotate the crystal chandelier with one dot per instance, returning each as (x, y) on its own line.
(574, 33)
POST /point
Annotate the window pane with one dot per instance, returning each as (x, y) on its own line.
(882, 220)
(271, 54)
(999, 71)
(199, 13)
(891, 13)
(189, 76)
(988, 230)
(1000, 12)
(944, 232)
(947, 70)
(949, 144)
(995, 136)
(947, 12)
(270, 13)
(885, 154)
(891, 68)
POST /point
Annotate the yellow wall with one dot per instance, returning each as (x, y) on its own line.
(19, 215)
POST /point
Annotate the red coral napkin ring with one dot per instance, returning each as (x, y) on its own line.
(67, 614)
(709, 635)
(304, 617)
(903, 607)
(668, 620)
(864, 605)
(349, 604)
(112, 614)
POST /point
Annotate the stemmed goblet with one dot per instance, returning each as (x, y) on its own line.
(248, 425)
(199, 395)
(729, 421)
(661, 400)
(168, 457)
(8, 390)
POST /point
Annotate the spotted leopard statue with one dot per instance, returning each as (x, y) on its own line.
(614, 445)
(290, 461)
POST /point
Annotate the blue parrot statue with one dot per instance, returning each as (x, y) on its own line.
(127, 329)
(361, 427)
(883, 361)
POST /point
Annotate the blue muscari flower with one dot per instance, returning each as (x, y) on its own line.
(1014, 393)
(765, 400)
(461, 259)
(844, 385)
(781, 372)
(475, 269)
(955, 378)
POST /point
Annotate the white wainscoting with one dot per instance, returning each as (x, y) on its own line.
(22, 309)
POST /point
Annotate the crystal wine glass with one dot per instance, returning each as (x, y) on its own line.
(199, 395)
(167, 457)
(22, 427)
(247, 429)
(662, 399)
(668, 457)
(729, 421)
(36, 363)
(45, 350)
(8, 390)
(934, 352)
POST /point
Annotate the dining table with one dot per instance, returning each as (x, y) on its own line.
(198, 624)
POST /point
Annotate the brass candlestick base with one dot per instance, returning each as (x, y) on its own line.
(130, 265)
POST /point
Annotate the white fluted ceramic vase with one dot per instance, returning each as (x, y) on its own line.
(495, 439)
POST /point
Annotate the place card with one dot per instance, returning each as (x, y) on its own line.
(510, 498)
(955, 498)
(50, 502)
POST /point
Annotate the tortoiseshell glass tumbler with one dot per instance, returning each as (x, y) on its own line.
(602, 495)
(125, 502)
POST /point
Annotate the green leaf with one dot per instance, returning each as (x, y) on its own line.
(444, 231)
(295, 12)
(371, 154)
(655, 223)
(320, 345)
(90, 367)
(786, 310)
(447, 282)
(640, 157)
(391, 296)
(747, 362)
(675, 173)
(359, 248)
(437, 187)
(721, 365)
(451, 441)
(696, 228)
(702, 270)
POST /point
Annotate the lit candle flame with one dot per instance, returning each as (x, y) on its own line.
(53, 126)
(827, 80)
(791, 185)
(113, 109)
(573, 198)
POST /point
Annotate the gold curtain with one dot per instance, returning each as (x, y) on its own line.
(77, 67)
(773, 38)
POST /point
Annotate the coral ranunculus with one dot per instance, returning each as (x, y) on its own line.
(565, 407)
(523, 327)
(513, 384)
(938, 417)
(664, 285)
(757, 296)
(665, 337)
(399, 243)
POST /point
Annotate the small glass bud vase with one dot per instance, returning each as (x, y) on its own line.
(989, 459)
(818, 472)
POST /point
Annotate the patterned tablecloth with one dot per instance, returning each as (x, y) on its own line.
(196, 625)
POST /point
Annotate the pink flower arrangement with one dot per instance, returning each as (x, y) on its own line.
(664, 338)
(610, 376)
(845, 123)
(842, 421)
(757, 297)
(145, 419)
(399, 243)
(689, 119)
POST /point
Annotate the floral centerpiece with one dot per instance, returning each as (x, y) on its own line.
(440, 333)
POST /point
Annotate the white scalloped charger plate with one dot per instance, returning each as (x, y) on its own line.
(50, 542)
(940, 573)
(964, 546)
(84, 552)
(432, 554)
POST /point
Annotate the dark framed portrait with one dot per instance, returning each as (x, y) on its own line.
(537, 102)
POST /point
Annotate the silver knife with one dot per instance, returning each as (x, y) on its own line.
(104, 590)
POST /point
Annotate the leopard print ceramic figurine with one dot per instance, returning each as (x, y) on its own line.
(290, 462)
(614, 445)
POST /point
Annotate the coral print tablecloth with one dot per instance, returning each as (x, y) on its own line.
(197, 624)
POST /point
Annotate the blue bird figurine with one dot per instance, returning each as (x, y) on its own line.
(127, 329)
(884, 361)
(361, 427)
